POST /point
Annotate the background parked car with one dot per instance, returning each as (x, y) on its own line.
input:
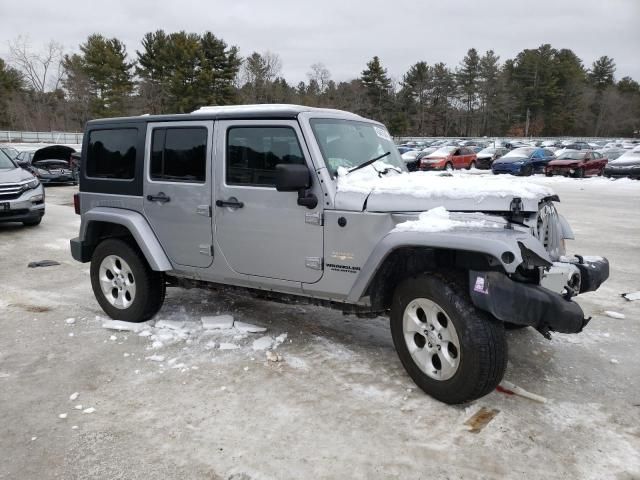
(487, 156)
(52, 165)
(627, 165)
(523, 161)
(448, 158)
(577, 163)
(21, 194)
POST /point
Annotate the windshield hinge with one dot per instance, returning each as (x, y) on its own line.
(315, 218)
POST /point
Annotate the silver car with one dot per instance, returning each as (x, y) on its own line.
(21, 194)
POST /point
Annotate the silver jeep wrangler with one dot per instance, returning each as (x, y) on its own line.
(315, 205)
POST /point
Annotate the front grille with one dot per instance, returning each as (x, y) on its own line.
(549, 231)
(11, 191)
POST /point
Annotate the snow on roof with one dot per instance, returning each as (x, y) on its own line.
(267, 108)
(434, 184)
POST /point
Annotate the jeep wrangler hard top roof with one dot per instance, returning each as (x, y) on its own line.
(238, 112)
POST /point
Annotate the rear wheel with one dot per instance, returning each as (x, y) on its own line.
(451, 350)
(448, 167)
(124, 285)
(472, 165)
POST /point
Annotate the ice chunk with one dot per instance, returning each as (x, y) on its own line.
(123, 326)
(62, 416)
(612, 314)
(70, 321)
(78, 407)
(632, 296)
(248, 328)
(157, 344)
(75, 427)
(217, 322)
(113, 338)
(89, 410)
(74, 396)
(263, 343)
(170, 324)
(156, 358)
(614, 361)
(145, 333)
(228, 346)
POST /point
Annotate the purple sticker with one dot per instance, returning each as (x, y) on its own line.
(480, 286)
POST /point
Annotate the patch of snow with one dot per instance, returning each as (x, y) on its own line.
(78, 407)
(171, 324)
(145, 333)
(263, 343)
(113, 338)
(248, 328)
(62, 416)
(70, 321)
(74, 396)
(612, 314)
(218, 322)
(75, 427)
(614, 361)
(228, 346)
(89, 410)
(439, 220)
(430, 185)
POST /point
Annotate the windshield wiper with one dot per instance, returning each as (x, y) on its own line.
(368, 162)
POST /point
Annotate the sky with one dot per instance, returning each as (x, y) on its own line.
(344, 35)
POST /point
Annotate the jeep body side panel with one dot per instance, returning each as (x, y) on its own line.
(139, 228)
(488, 241)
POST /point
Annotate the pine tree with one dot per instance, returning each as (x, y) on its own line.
(467, 78)
(377, 86)
(11, 83)
(489, 92)
(601, 77)
(417, 86)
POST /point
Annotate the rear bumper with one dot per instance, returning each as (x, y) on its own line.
(622, 172)
(80, 251)
(533, 305)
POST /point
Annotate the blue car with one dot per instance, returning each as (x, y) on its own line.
(523, 161)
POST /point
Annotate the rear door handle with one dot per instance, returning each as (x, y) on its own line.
(231, 203)
(161, 197)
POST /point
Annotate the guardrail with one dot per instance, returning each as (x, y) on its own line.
(7, 136)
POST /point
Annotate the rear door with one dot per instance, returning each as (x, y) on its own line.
(177, 189)
(261, 231)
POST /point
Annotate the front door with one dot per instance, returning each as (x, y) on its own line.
(177, 189)
(259, 230)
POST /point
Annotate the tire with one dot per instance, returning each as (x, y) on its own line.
(482, 353)
(527, 171)
(549, 174)
(33, 223)
(579, 173)
(448, 167)
(472, 165)
(513, 326)
(146, 288)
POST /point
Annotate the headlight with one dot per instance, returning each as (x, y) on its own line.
(31, 184)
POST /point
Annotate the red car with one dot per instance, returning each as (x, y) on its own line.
(449, 158)
(577, 163)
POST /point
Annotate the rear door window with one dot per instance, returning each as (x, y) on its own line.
(179, 154)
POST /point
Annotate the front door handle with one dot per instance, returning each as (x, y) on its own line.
(161, 197)
(231, 203)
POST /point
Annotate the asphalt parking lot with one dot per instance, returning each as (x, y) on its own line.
(337, 405)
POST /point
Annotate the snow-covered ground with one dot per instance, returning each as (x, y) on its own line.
(293, 391)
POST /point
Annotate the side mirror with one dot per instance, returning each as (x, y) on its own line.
(296, 178)
(23, 164)
(291, 177)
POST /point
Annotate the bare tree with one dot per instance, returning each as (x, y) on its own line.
(321, 75)
(43, 70)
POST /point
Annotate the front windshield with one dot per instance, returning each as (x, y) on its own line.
(5, 161)
(442, 152)
(349, 143)
(571, 156)
(522, 152)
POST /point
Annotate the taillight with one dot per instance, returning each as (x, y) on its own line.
(76, 203)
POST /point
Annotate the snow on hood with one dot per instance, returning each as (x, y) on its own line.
(421, 191)
(439, 220)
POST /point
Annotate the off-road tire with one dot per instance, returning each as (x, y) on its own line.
(483, 346)
(150, 285)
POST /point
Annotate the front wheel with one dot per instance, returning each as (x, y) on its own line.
(527, 171)
(579, 173)
(472, 165)
(451, 350)
(124, 285)
(449, 167)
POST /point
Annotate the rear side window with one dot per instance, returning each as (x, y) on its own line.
(112, 153)
(254, 152)
(179, 155)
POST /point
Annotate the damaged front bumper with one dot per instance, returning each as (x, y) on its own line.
(546, 307)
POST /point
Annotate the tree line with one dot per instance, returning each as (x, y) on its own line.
(541, 92)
